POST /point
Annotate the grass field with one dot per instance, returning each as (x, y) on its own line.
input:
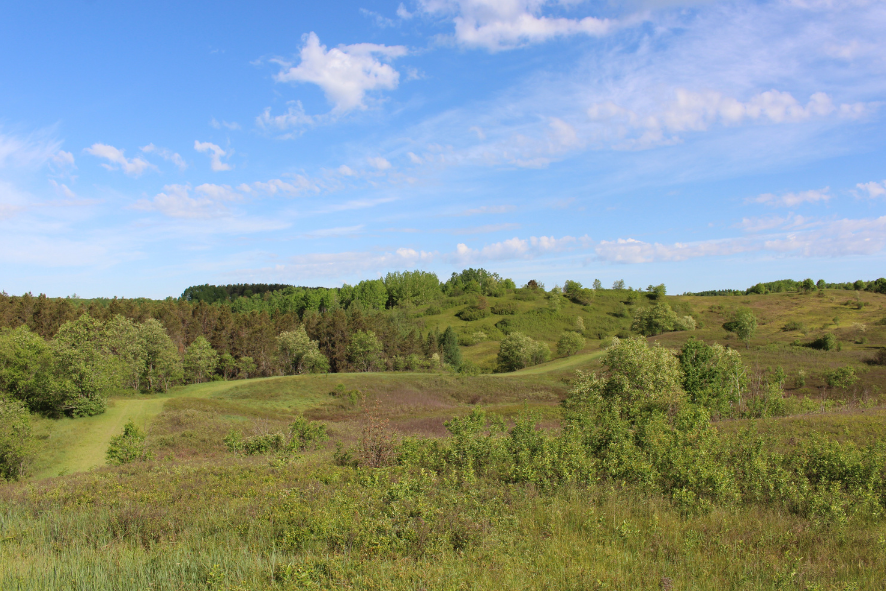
(200, 517)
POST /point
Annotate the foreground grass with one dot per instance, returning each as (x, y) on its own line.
(243, 524)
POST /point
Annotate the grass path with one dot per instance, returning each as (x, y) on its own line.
(564, 364)
(78, 445)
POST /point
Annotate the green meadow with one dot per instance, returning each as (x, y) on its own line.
(510, 495)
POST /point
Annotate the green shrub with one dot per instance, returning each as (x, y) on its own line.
(518, 351)
(713, 376)
(842, 377)
(472, 313)
(826, 342)
(570, 344)
(504, 309)
(793, 325)
(128, 447)
(15, 438)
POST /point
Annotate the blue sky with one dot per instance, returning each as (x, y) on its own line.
(146, 148)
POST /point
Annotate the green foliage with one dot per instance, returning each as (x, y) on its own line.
(570, 344)
(449, 348)
(128, 447)
(26, 371)
(473, 313)
(518, 351)
(842, 377)
(826, 342)
(200, 360)
(299, 354)
(477, 281)
(743, 324)
(84, 370)
(654, 321)
(713, 376)
(15, 438)
(656, 292)
(364, 350)
(162, 366)
(412, 287)
(793, 325)
(504, 309)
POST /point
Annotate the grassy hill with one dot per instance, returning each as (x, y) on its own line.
(201, 517)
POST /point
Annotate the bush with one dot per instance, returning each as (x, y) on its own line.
(842, 377)
(504, 309)
(518, 351)
(433, 310)
(713, 376)
(128, 447)
(570, 344)
(654, 321)
(472, 313)
(15, 438)
(794, 325)
(826, 342)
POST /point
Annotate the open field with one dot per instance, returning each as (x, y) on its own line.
(200, 517)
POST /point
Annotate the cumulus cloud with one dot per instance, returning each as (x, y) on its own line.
(180, 201)
(505, 24)
(793, 199)
(215, 155)
(345, 73)
(168, 155)
(117, 160)
(62, 160)
(414, 159)
(873, 189)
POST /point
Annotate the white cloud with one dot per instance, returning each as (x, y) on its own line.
(403, 13)
(297, 185)
(379, 162)
(345, 73)
(505, 24)
(293, 117)
(30, 151)
(176, 201)
(62, 160)
(63, 190)
(133, 166)
(761, 224)
(480, 135)
(414, 159)
(169, 155)
(698, 111)
(793, 199)
(836, 238)
(232, 125)
(346, 170)
(357, 204)
(513, 248)
(216, 154)
(873, 189)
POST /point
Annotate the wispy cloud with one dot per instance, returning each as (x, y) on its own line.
(793, 199)
(32, 150)
(117, 160)
(166, 154)
(487, 209)
(487, 229)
